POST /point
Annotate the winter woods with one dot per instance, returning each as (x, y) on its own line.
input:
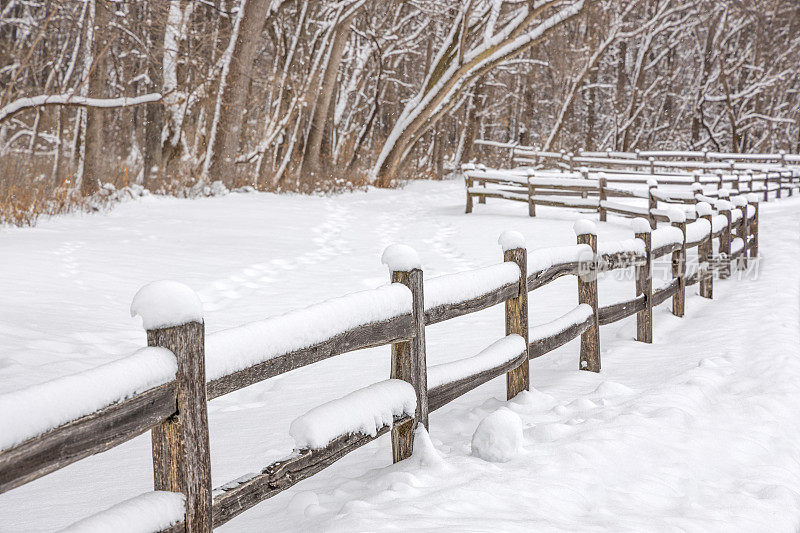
(299, 95)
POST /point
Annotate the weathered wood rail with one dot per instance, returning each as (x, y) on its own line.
(176, 411)
(592, 181)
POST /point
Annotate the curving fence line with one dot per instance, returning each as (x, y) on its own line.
(164, 389)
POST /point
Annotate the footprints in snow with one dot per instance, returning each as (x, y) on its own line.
(328, 242)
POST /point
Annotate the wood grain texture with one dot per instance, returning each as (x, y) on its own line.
(540, 278)
(546, 345)
(181, 454)
(644, 287)
(88, 435)
(665, 293)
(665, 250)
(409, 364)
(725, 239)
(587, 294)
(518, 378)
(609, 262)
(531, 205)
(612, 313)
(704, 253)
(602, 189)
(744, 234)
(679, 273)
(753, 226)
(473, 305)
(446, 393)
(366, 336)
(236, 498)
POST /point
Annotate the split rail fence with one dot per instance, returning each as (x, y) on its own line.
(595, 181)
(187, 368)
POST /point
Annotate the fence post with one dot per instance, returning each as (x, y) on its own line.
(408, 357)
(779, 179)
(514, 250)
(181, 456)
(753, 248)
(569, 158)
(742, 231)
(724, 208)
(734, 175)
(469, 183)
(705, 252)
(652, 201)
(482, 198)
(603, 183)
(531, 205)
(644, 283)
(720, 181)
(678, 219)
(652, 161)
(586, 233)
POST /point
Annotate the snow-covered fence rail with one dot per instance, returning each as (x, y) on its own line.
(165, 388)
(591, 191)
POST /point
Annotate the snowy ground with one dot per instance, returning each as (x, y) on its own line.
(696, 432)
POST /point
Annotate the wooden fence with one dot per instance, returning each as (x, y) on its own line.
(598, 188)
(175, 412)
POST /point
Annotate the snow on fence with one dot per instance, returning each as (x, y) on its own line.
(597, 184)
(165, 388)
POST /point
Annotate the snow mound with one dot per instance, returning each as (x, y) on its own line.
(400, 258)
(585, 227)
(511, 240)
(703, 209)
(145, 513)
(165, 303)
(498, 438)
(612, 388)
(363, 411)
(739, 200)
(640, 225)
(676, 215)
(425, 454)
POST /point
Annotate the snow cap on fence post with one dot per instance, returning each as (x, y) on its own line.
(516, 309)
(640, 225)
(401, 258)
(408, 357)
(703, 209)
(510, 240)
(752, 198)
(172, 314)
(585, 227)
(740, 200)
(165, 303)
(676, 215)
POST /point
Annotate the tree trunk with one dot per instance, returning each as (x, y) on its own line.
(95, 143)
(313, 166)
(153, 113)
(234, 88)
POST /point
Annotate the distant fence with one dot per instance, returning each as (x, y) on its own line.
(165, 388)
(600, 181)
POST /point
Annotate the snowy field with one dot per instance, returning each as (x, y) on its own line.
(696, 432)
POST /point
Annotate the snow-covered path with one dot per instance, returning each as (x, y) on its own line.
(695, 432)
